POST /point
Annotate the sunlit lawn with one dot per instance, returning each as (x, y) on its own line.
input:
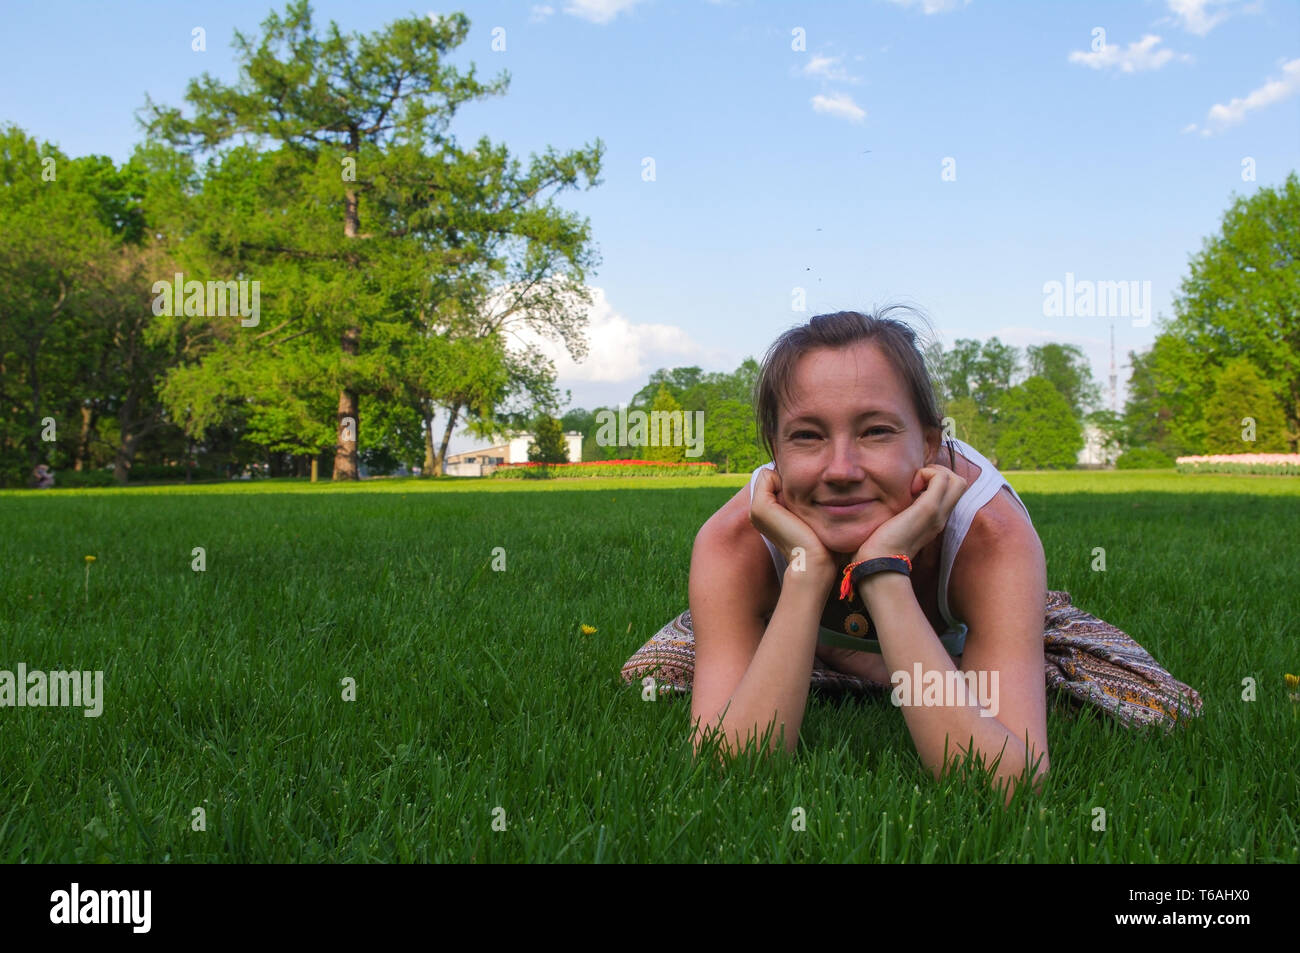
(475, 689)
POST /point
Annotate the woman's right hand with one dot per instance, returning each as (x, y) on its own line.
(787, 531)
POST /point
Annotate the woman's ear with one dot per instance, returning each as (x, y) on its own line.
(933, 441)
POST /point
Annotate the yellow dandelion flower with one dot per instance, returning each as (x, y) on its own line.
(90, 559)
(588, 629)
(1292, 681)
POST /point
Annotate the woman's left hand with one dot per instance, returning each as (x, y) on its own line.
(935, 491)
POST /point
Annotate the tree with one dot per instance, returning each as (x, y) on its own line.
(364, 230)
(76, 346)
(578, 419)
(982, 372)
(549, 445)
(970, 425)
(48, 233)
(1066, 368)
(665, 421)
(676, 381)
(1242, 414)
(1169, 386)
(1241, 298)
(731, 437)
(1039, 429)
(591, 447)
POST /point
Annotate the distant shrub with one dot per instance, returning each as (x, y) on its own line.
(601, 468)
(75, 479)
(1144, 458)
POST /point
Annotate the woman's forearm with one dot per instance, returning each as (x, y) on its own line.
(774, 690)
(906, 639)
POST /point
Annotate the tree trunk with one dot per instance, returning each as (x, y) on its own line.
(124, 459)
(446, 440)
(35, 455)
(315, 466)
(430, 461)
(83, 442)
(346, 464)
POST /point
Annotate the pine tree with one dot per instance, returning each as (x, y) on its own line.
(666, 419)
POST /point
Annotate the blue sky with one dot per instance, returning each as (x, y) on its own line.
(1107, 157)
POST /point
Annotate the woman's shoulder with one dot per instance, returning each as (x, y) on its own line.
(731, 548)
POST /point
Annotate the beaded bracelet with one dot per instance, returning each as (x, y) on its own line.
(854, 573)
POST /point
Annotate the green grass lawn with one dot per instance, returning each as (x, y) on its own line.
(475, 689)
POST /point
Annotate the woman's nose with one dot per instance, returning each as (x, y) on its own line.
(845, 465)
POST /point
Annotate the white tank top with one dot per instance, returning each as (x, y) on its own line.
(986, 486)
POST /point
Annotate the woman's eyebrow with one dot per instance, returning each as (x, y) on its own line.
(813, 418)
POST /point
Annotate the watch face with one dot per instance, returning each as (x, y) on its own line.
(848, 616)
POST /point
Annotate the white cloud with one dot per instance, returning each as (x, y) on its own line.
(839, 104)
(1141, 55)
(599, 11)
(540, 12)
(1195, 16)
(1221, 117)
(828, 67)
(933, 6)
(619, 351)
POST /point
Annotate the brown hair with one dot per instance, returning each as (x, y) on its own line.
(895, 339)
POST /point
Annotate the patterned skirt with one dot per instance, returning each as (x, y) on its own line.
(1086, 660)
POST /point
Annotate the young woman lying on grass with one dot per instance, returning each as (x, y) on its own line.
(786, 593)
(849, 416)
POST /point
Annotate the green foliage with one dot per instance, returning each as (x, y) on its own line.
(600, 469)
(972, 426)
(549, 445)
(591, 448)
(376, 236)
(1240, 393)
(1039, 431)
(980, 371)
(579, 420)
(1143, 458)
(668, 430)
(676, 382)
(76, 479)
(726, 400)
(1066, 368)
(731, 432)
(1241, 298)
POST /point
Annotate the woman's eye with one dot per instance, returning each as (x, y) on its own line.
(808, 433)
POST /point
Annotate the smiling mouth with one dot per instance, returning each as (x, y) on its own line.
(846, 507)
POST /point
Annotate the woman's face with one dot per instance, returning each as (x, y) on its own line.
(849, 436)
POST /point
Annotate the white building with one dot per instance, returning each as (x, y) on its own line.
(1093, 453)
(483, 461)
